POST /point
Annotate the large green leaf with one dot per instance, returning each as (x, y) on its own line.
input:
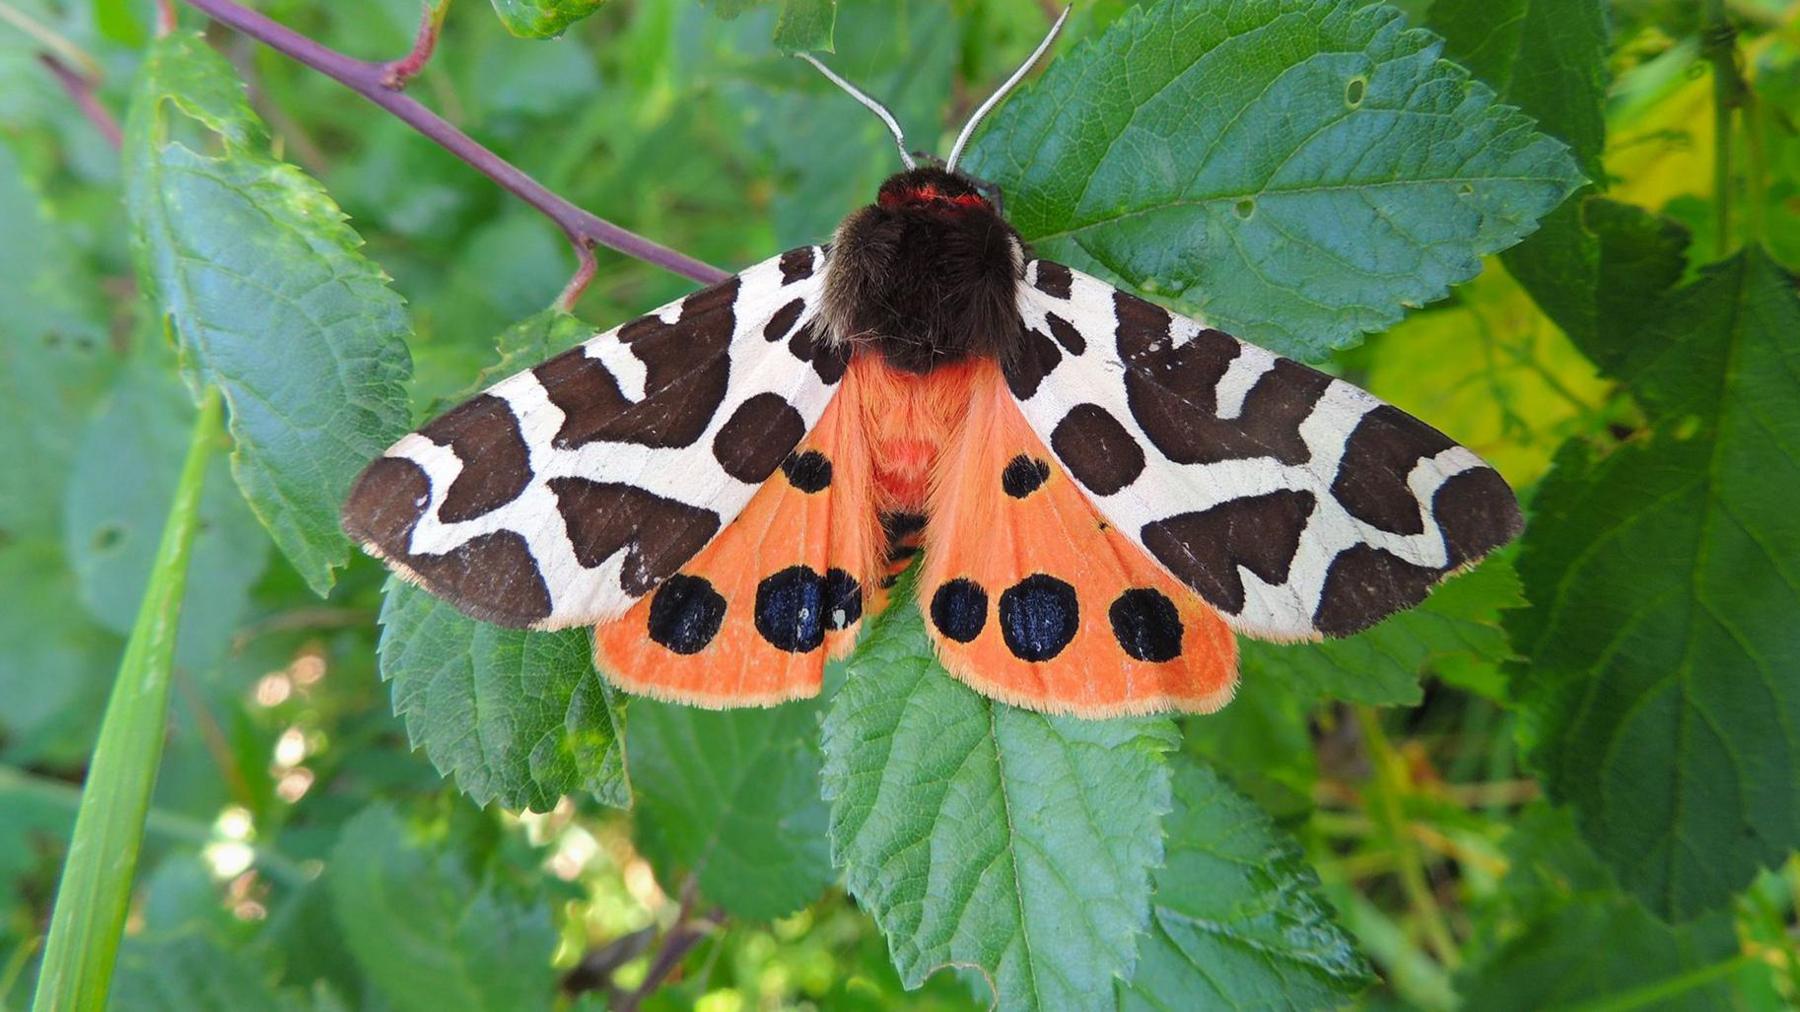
(1548, 57)
(733, 797)
(1663, 579)
(118, 499)
(261, 280)
(1460, 622)
(1237, 919)
(426, 937)
(985, 836)
(1565, 935)
(519, 718)
(1296, 170)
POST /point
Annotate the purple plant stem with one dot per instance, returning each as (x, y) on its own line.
(81, 89)
(365, 78)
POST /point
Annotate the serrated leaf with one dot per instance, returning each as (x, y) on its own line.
(426, 937)
(732, 797)
(261, 280)
(118, 499)
(1237, 918)
(1568, 936)
(985, 836)
(515, 717)
(1460, 621)
(806, 25)
(543, 19)
(1295, 170)
(1264, 742)
(1663, 579)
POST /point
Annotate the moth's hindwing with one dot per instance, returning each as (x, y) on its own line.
(1293, 502)
(565, 493)
(1034, 598)
(751, 620)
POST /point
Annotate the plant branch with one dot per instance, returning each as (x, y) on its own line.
(584, 229)
(1387, 785)
(400, 71)
(681, 938)
(81, 88)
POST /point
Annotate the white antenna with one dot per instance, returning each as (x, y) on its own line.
(1012, 82)
(875, 107)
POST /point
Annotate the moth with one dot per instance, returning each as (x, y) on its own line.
(1106, 494)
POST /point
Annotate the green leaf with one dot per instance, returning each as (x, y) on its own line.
(118, 498)
(426, 937)
(1264, 742)
(733, 797)
(1568, 936)
(253, 266)
(543, 19)
(1548, 57)
(985, 836)
(1295, 170)
(806, 24)
(1663, 579)
(519, 718)
(54, 360)
(1237, 918)
(1460, 622)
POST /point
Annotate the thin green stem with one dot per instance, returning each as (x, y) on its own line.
(1388, 785)
(1721, 52)
(95, 891)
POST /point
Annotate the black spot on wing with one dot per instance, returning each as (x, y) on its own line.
(659, 534)
(797, 265)
(1205, 548)
(1173, 392)
(1023, 475)
(686, 614)
(1096, 449)
(809, 472)
(687, 366)
(781, 325)
(1146, 624)
(1380, 453)
(1066, 334)
(959, 610)
(492, 577)
(1039, 615)
(1034, 358)
(496, 463)
(757, 437)
(1053, 279)
(1477, 512)
(790, 609)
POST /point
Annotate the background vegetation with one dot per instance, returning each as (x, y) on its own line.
(1571, 780)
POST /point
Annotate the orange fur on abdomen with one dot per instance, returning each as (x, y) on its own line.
(907, 421)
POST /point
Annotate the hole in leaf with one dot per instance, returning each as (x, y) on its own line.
(1354, 91)
(107, 537)
(1465, 190)
(1245, 208)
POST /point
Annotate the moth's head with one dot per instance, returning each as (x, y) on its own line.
(931, 189)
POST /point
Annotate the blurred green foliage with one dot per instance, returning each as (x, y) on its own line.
(1591, 796)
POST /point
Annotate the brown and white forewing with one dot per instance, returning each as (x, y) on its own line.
(563, 494)
(1295, 503)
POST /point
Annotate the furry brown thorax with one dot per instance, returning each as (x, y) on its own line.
(926, 275)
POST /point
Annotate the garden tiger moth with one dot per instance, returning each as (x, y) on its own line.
(1104, 491)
